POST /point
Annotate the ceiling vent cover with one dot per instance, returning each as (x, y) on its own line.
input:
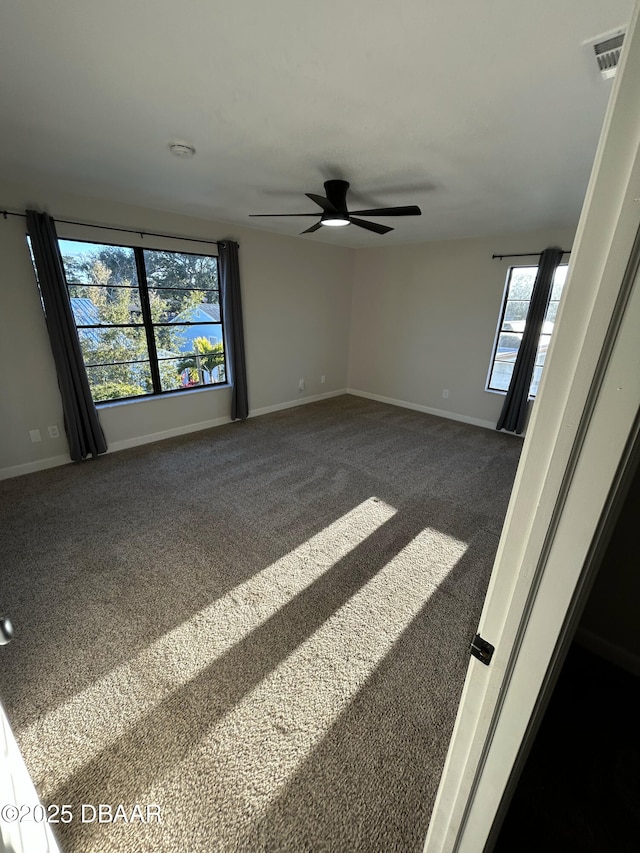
(608, 55)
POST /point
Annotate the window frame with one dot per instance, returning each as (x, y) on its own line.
(500, 330)
(148, 325)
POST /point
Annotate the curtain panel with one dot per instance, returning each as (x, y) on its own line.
(81, 423)
(514, 410)
(234, 332)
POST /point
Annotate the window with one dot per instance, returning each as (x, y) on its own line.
(520, 281)
(149, 322)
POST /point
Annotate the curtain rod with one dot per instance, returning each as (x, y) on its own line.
(143, 234)
(525, 255)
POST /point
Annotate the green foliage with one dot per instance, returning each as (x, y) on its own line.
(108, 390)
(207, 358)
(107, 276)
(189, 279)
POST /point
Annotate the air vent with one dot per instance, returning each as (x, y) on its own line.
(608, 55)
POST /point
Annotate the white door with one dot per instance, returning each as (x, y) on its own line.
(584, 420)
(24, 820)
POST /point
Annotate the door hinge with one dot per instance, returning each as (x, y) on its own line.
(482, 650)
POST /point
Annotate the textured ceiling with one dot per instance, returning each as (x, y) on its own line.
(486, 113)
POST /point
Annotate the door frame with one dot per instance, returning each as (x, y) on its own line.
(582, 426)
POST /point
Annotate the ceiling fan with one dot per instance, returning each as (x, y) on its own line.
(335, 213)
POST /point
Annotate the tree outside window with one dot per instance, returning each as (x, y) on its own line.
(149, 322)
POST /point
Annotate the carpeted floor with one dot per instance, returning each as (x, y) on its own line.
(262, 629)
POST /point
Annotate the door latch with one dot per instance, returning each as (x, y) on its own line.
(482, 650)
(6, 630)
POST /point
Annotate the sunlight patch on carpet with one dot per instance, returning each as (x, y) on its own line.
(257, 747)
(109, 708)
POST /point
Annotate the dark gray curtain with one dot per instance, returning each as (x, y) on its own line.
(514, 411)
(81, 423)
(232, 315)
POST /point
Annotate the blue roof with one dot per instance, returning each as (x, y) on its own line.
(86, 313)
(205, 311)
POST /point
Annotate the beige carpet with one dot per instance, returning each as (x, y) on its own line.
(262, 629)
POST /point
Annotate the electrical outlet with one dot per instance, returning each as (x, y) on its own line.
(445, 393)
(54, 432)
(323, 379)
(301, 385)
(34, 435)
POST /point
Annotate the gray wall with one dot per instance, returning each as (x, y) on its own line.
(424, 319)
(297, 302)
(399, 323)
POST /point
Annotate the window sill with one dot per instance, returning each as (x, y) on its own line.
(108, 404)
(530, 399)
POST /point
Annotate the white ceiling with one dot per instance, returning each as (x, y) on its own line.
(486, 113)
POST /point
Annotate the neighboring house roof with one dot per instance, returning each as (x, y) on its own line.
(85, 313)
(201, 317)
(205, 312)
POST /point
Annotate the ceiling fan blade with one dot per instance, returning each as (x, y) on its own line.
(282, 214)
(323, 202)
(370, 226)
(312, 229)
(408, 210)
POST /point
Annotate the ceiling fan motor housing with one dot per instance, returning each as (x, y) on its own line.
(337, 194)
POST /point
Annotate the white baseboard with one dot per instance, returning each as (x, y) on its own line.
(301, 401)
(428, 410)
(214, 422)
(137, 440)
(615, 654)
(115, 446)
(32, 467)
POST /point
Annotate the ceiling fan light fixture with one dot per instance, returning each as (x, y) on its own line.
(334, 221)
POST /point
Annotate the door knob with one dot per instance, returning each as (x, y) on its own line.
(6, 630)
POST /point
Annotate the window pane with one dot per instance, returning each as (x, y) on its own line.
(558, 281)
(201, 352)
(97, 264)
(552, 312)
(516, 310)
(501, 375)
(178, 338)
(105, 306)
(169, 305)
(180, 270)
(191, 371)
(521, 282)
(543, 346)
(508, 345)
(115, 381)
(535, 381)
(108, 346)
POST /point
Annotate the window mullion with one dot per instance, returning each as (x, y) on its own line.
(148, 322)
